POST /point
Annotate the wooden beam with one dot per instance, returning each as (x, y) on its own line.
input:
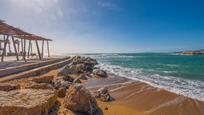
(38, 49)
(48, 50)
(42, 48)
(15, 48)
(4, 51)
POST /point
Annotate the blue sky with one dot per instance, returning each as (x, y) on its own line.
(106, 26)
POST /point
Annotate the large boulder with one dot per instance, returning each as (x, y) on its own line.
(79, 99)
(100, 73)
(27, 102)
(103, 95)
(8, 87)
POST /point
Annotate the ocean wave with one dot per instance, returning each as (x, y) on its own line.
(101, 56)
(189, 88)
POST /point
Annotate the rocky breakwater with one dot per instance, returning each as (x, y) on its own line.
(63, 94)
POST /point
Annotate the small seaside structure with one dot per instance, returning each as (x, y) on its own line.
(18, 37)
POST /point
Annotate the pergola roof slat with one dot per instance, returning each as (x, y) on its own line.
(16, 32)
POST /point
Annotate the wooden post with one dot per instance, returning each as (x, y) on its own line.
(4, 51)
(21, 46)
(38, 49)
(9, 44)
(24, 50)
(5, 40)
(15, 48)
(18, 47)
(42, 48)
(48, 50)
(29, 47)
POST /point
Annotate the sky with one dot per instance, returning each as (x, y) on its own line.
(110, 26)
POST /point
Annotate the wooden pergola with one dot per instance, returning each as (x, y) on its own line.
(19, 37)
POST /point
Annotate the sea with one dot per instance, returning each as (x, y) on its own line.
(181, 74)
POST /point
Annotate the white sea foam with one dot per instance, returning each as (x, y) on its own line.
(190, 88)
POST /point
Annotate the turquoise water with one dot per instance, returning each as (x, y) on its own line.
(189, 67)
(176, 73)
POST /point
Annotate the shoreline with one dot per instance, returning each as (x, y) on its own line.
(179, 85)
(144, 99)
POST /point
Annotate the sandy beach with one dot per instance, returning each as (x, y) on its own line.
(137, 98)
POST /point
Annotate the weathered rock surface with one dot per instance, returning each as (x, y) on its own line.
(33, 85)
(104, 95)
(100, 73)
(26, 102)
(61, 86)
(61, 92)
(83, 76)
(67, 78)
(79, 99)
(42, 79)
(80, 68)
(77, 80)
(8, 87)
(59, 82)
(68, 69)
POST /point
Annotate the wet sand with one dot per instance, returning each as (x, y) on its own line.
(137, 98)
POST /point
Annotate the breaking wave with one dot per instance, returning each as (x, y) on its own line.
(189, 88)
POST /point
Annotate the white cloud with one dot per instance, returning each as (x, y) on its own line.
(109, 5)
(60, 13)
(38, 6)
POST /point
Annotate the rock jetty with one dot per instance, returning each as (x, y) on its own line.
(62, 93)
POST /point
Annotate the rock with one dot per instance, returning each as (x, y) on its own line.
(64, 111)
(68, 69)
(61, 92)
(8, 87)
(100, 73)
(104, 95)
(77, 80)
(43, 79)
(79, 99)
(58, 83)
(80, 68)
(88, 67)
(67, 78)
(62, 88)
(27, 102)
(63, 71)
(83, 76)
